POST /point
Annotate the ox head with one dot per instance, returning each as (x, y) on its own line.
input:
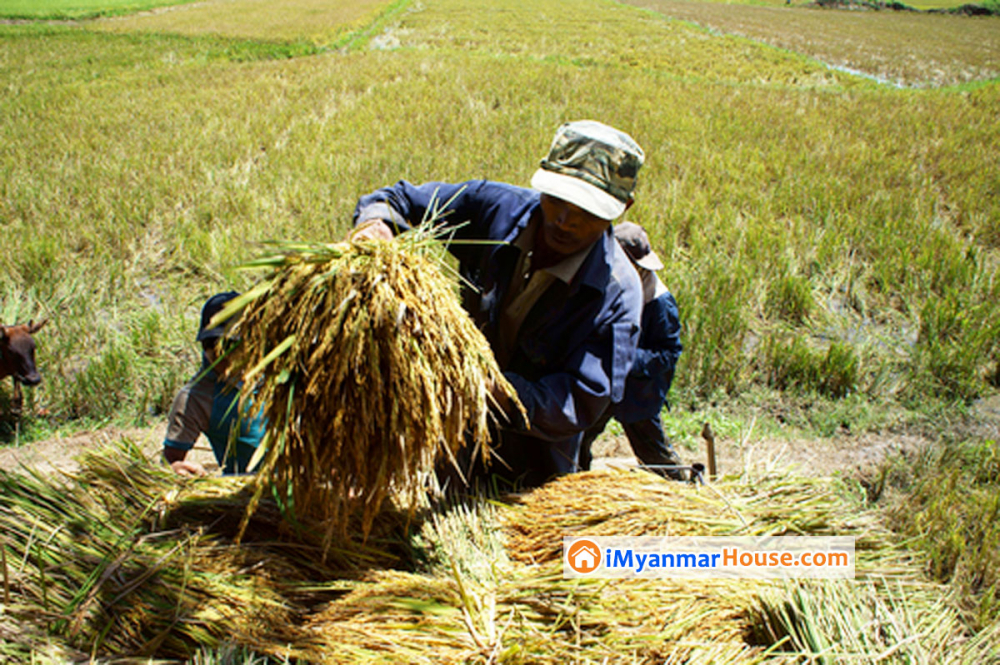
(17, 352)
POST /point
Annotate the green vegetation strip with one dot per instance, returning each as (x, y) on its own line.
(312, 21)
(48, 10)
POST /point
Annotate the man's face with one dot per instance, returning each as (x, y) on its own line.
(566, 228)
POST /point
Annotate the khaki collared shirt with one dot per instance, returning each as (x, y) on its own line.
(527, 286)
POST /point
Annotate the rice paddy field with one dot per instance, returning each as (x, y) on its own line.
(901, 48)
(821, 184)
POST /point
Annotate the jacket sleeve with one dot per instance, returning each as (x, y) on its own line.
(405, 205)
(660, 343)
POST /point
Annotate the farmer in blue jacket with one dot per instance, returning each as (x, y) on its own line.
(556, 298)
(209, 405)
(653, 370)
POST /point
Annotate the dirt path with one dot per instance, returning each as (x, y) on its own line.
(59, 454)
(854, 455)
(849, 454)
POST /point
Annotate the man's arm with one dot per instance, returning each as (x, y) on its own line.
(187, 420)
(400, 207)
(470, 208)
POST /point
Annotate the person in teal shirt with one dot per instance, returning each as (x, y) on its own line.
(209, 405)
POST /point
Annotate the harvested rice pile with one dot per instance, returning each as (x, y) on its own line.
(126, 560)
(368, 370)
(638, 504)
(83, 563)
(531, 617)
(477, 604)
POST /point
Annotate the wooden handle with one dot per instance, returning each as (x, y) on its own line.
(709, 436)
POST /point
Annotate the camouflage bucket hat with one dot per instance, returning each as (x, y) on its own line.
(592, 166)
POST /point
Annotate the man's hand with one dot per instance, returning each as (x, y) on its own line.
(372, 229)
(498, 397)
(176, 459)
(188, 469)
(503, 406)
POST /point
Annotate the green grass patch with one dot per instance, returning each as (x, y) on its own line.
(833, 371)
(78, 9)
(767, 414)
(140, 50)
(946, 500)
(924, 5)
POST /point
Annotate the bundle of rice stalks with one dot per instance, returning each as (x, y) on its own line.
(555, 620)
(623, 503)
(90, 574)
(368, 370)
(845, 621)
(529, 617)
(890, 614)
(124, 558)
(391, 617)
(135, 490)
(473, 605)
(533, 615)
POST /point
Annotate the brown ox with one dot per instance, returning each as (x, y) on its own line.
(17, 357)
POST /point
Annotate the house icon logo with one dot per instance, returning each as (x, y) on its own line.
(583, 556)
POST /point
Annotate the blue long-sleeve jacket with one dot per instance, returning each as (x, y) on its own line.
(575, 347)
(653, 370)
